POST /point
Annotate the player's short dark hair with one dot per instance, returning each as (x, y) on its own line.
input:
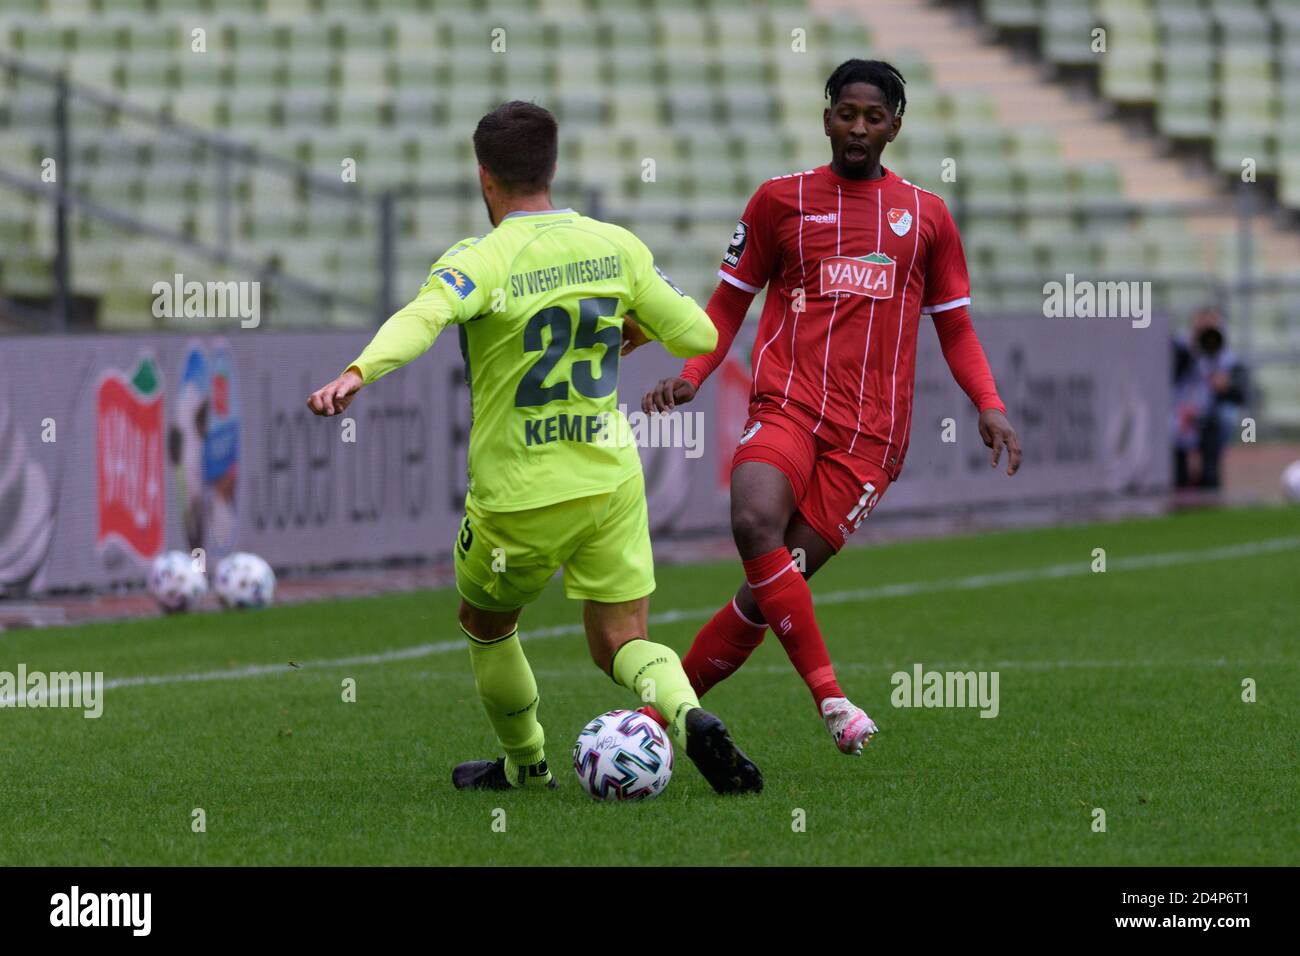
(517, 143)
(878, 73)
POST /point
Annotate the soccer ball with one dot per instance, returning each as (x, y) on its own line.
(623, 755)
(1291, 481)
(175, 583)
(244, 580)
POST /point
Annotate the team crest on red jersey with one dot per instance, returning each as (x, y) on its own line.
(900, 220)
(872, 276)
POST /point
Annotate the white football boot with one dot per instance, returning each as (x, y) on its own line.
(848, 724)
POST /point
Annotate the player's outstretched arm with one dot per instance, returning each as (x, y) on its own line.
(970, 368)
(998, 434)
(446, 297)
(670, 391)
(633, 335)
(727, 308)
(667, 394)
(408, 333)
(406, 336)
(681, 327)
(663, 312)
(335, 397)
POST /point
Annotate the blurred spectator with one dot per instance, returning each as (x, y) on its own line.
(1210, 387)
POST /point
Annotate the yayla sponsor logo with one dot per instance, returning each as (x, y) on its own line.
(872, 276)
(824, 217)
(103, 909)
(130, 457)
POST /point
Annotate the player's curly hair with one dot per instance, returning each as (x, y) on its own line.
(518, 143)
(878, 73)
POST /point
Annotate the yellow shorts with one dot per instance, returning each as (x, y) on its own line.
(505, 559)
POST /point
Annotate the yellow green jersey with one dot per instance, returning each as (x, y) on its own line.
(540, 302)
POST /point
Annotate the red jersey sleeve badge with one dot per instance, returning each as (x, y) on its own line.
(738, 241)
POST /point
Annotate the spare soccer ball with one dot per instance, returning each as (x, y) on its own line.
(244, 580)
(623, 755)
(1291, 481)
(175, 583)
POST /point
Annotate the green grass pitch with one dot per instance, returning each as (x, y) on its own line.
(1119, 690)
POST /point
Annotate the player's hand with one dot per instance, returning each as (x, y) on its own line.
(998, 434)
(337, 395)
(633, 336)
(668, 393)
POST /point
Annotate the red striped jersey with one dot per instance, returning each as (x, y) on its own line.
(850, 265)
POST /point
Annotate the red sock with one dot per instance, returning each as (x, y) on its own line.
(783, 597)
(654, 715)
(721, 646)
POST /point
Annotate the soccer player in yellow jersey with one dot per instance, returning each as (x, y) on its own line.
(546, 302)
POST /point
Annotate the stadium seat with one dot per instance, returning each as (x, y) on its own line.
(1067, 32)
(1012, 13)
(716, 95)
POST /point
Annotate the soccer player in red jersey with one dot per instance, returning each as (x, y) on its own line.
(853, 256)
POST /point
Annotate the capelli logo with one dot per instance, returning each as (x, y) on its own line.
(823, 217)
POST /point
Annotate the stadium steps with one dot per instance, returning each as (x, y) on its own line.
(1221, 73)
(960, 57)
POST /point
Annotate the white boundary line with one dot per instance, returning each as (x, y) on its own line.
(854, 596)
(860, 667)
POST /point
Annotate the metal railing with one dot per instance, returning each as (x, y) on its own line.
(226, 166)
(220, 155)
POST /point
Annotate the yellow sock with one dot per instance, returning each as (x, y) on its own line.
(654, 673)
(508, 692)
